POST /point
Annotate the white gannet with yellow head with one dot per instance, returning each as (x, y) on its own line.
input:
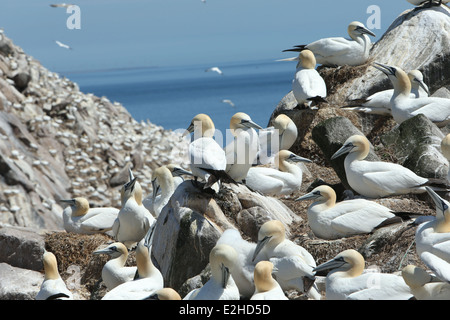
(53, 287)
(78, 217)
(114, 272)
(221, 285)
(242, 151)
(330, 220)
(433, 239)
(271, 181)
(403, 107)
(376, 179)
(380, 102)
(339, 51)
(294, 264)
(149, 279)
(165, 180)
(445, 149)
(424, 285)
(133, 220)
(207, 158)
(308, 85)
(346, 280)
(266, 287)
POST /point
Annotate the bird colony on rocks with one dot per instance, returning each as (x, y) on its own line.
(345, 187)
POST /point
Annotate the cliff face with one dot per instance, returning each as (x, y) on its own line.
(57, 143)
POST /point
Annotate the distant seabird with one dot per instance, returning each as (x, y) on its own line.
(214, 69)
(62, 45)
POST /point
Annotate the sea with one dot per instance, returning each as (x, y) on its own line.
(171, 96)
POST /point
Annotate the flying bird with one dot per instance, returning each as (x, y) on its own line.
(61, 5)
(214, 69)
(231, 103)
(62, 45)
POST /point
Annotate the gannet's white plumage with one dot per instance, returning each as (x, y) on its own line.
(294, 263)
(133, 220)
(341, 51)
(285, 132)
(403, 107)
(165, 180)
(433, 239)
(114, 272)
(243, 269)
(346, 280)
(221, 285)
(149, 278)
(242, 151)
(427, 2)
(78, 217)
(53, 287)
(380, 102)
(266, 287)
(330, 220)
(445, 149)
(271, 181)
(425, 286)
(308, 85)
(375, 179)
(207, 159)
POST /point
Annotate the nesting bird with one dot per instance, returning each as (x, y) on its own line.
(376, 179)
(403, 107)
(241, 153)
(221, 285)
(294, 263)
(380, 102)
(425, 286)
(114, 272)
(433, 239)
(339, 51)
(133, 220)
(308, 85)
(53, 287)
(346, 280)
(148, 281)
(271, 181)
(207, 159)
(266, 287)
(330, 220)
(78, 217)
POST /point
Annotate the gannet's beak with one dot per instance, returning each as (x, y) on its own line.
(343, 150)
(259, 246)
(250, 124)
(225, 275)
(363, 30)
(177, 171)
(295, 158)
(441, 204)
(387, 70)
(68, 201)
(423, 86)
(309, 196)
(331, 264)
(289, 59)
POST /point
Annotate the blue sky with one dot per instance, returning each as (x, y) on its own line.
(135, 33)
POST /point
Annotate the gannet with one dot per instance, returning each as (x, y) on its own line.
(284, 130)
(433, 239)
(164, 294)
(340, 51)
(242, 151)
(221, 285)
(425, 286)
(61, 5)
(445, 149)
(231, 103)
(243, 269)
(267, 288)
(207, 159)
(375, 179)
(133, 220)
(379, 102)
(53, 287)
(294, 263)
(403, 107)
(165, 179)
(330, 220)
(78, 217)
(308, 85)
(214, 69)
(346, 280)
(149, 278)
(114, 272)
(270, 181)
(63, 45)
